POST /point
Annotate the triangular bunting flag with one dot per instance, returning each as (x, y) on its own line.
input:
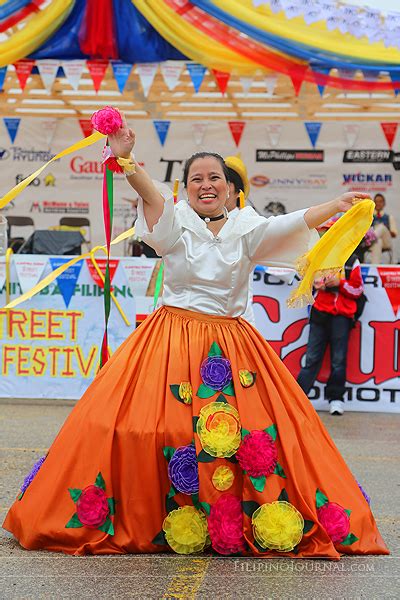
(162, 128)
(270, 83)
(222, 80)
(351, 131)
(146, 72)
(246, 82)
(199, 130)
(66, 281)
(73, 70)
(121, 73)
(274, 131)
(12, 126)
(390, 130)
(390, 278)
(86, 126)
(364, 272)
(48, 72)
(313, 128)
(3, 73)
(97, 69)
(138, 276)
(102, 263)
(23, 70)
(297, 77)
(236, 128)
(48, 127)
(171, 71)
(29, 271)
(321, 71)
(395, 77)
(197, 73)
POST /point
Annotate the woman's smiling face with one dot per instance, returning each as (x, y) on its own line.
(207, 188)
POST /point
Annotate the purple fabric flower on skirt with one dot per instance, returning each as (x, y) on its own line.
(364, 493)
(183, 470)
(32, 474)
(216, 372)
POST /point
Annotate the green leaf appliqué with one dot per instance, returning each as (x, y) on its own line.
(74, 522)
(258, 482)
(204, 457)
(75, 493)
(272, 431)
(320, 498)
(279, 471)
(215, 350)
(205, 392)
(100, 482)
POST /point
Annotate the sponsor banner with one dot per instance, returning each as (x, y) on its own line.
(290, 155)
(373, 366)
(48, 350)
(285, 174)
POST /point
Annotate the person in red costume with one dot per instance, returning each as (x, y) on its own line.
(331, 320)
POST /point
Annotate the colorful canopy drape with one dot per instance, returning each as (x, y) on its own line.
(226, 35)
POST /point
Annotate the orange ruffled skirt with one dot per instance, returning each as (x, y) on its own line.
(270, 480)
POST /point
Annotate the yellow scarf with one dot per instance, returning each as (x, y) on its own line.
(330, 253)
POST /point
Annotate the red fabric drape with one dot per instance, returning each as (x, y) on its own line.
(97, 33)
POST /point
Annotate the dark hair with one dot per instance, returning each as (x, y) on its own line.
(197, 155)
(235, 178)
(380, 196)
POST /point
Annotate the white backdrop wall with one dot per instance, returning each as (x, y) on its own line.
(281, 178)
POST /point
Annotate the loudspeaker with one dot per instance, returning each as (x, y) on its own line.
(53, 242)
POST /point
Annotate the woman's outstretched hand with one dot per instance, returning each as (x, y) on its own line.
(123, 141)
(346, 200)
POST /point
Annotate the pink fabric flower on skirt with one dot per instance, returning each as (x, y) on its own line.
(225, 525)
(106, 120)
(257, 454)
(335, 520)
(92, 507)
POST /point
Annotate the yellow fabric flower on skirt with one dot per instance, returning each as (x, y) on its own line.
(277, 526)
(186, 530)
(246, 378)
(223, 478)
(219, 429)
(186, 392)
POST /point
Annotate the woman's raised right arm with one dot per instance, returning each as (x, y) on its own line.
(121, 144)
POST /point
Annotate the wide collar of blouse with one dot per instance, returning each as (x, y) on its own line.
(237, 225)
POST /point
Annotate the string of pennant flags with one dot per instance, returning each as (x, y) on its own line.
(199, 130)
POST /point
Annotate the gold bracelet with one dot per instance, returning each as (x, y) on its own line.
(128, 165)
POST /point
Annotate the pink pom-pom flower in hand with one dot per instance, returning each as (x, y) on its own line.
(106, 120)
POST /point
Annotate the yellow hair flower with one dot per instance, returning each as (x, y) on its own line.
(186, 530)
(219, 430)
(186, 392)
(277, 526)
(222, 478)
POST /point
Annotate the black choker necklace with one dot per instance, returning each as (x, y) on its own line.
(211, 219)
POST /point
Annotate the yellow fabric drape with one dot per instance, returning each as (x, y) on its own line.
(316, 34)
(331, 252)
(191, 42)
(36, 31)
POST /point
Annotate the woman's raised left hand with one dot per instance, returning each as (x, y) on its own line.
(346, 200)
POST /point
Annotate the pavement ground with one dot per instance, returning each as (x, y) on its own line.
(369, 443)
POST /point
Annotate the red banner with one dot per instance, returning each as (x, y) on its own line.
(101, 263)
(391, 283)
(97, 70)
(389, 129)
(23, 69)
(236, 128)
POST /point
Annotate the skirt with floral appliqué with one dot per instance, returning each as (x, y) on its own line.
(194, 438)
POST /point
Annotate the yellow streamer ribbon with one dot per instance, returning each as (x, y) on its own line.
(9, 253)
(52, 276)
(17, 189)
(330, 253)
(242, 201)
(100, 274)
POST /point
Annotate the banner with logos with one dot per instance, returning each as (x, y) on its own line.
(286, 172)
(373, 365)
